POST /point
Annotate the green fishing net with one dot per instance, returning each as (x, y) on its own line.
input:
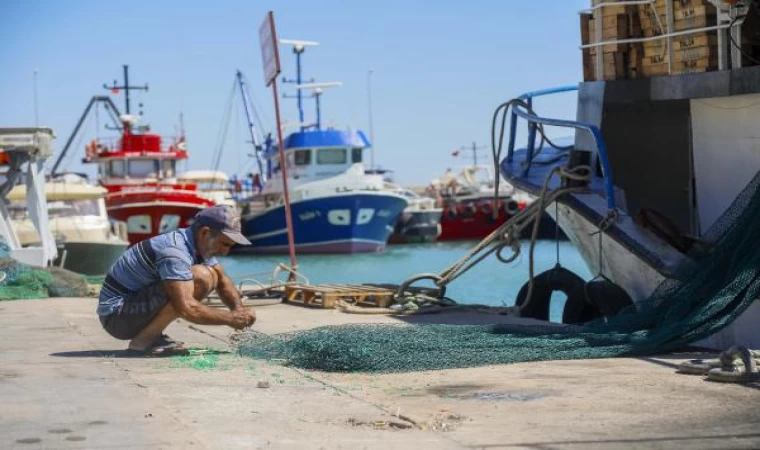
(20, 281)
(704, 298)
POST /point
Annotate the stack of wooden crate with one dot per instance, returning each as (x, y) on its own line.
(620, 61)
(697, 52)
(691, 53)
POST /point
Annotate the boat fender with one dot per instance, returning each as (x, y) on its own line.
(607, 297)
(469, 209)
(511, 207)
(601, 298)
(544, 284)
(486, 208)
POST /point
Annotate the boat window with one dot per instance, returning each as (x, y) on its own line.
(169, 166)
(331, 156)
(103, 170)
(71, 208)
(58, 208)
(18, 210)
(143, 168)
(117, 169)
(303, 157)
(356, 155)
(169, 222)
(139, 224)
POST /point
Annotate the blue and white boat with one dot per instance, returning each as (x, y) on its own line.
(336, 207)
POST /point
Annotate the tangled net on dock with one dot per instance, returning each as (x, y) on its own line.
(707, 296)
(19, 281)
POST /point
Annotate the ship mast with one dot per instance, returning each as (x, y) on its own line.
(126, 88)
(257, 148)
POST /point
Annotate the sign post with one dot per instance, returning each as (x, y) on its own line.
(270, 58)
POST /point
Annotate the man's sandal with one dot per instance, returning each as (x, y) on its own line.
(162, 347)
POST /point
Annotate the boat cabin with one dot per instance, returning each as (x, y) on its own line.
(137, 168)
(317, 154)
(136, 155)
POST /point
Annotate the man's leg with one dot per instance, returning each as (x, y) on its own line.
(204, 281)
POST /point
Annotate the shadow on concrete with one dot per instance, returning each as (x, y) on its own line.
(735, 438)
(124, 353)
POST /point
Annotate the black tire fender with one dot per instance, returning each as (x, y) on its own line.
(544, 284)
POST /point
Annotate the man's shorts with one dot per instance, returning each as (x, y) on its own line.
(135, 314)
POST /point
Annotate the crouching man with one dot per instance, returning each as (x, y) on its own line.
(165, 277)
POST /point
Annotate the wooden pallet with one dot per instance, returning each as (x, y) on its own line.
(327, 295)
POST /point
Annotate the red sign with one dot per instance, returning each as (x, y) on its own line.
(270, 57)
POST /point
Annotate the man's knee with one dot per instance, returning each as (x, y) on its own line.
(205, 281)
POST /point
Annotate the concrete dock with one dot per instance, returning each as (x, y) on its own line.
(64, 385)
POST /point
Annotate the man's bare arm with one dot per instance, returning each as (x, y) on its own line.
(180, 294)
(226, 289)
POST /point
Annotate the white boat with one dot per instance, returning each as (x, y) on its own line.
(674, 161)
(88, 243)
(23, 152)
(419, 222)
(212, 184)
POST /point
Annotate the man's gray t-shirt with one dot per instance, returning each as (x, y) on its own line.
(164, 257)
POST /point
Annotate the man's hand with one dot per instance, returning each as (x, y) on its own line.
(242, 318)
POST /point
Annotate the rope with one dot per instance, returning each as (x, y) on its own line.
(507, 233)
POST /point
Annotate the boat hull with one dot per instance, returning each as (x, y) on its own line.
(89, 258)
(346, 223)
(417, 227)
(151, 214)
(472, 218)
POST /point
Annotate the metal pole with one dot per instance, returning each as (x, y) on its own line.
(474, 155)
(126, 87)
(319, 115)
(251, 126)
(284, 171)
(371, 128)
(298, 83)
(669, 13)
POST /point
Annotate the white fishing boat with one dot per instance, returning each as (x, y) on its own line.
(87, 242)
(668, 167)
(211, 184)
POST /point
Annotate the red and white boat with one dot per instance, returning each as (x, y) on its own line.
(141, 179)
(139, 173)
(468, 203)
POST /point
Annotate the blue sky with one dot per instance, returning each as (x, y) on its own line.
(440, 68)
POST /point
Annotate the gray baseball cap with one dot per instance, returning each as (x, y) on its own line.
(222, 218)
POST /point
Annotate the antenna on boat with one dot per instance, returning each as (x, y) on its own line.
(126, 87)
(299, 46)
(316, 93)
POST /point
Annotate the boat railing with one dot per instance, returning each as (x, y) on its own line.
(534, 121)
(112, 144)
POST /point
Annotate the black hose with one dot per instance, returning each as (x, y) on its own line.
(733, 42)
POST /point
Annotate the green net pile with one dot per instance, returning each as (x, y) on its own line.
(20, 281)
(706, 297)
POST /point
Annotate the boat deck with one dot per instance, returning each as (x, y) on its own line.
(65, 385)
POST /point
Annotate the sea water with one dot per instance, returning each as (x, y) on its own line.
(491, 282)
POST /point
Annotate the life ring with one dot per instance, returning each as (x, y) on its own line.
(556, 279)
(511, 207)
